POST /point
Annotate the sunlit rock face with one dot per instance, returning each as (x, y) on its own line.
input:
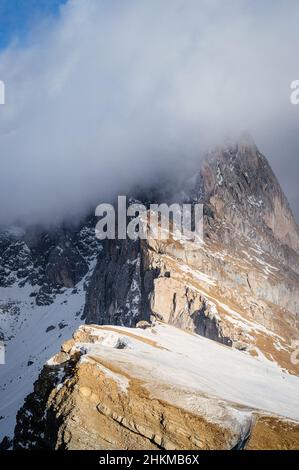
(240, 188)
(157, 388)
(240, 287)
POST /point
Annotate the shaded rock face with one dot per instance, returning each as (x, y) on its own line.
(46, 260)
(66, 266)
(34, 416)
(16, 262)
(117, 291)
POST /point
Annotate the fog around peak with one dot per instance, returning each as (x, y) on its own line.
(114, 91)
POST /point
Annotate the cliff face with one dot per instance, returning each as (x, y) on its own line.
(47, 261)
(159, 388)
(239, 290)
(117, 288)
(241, 191)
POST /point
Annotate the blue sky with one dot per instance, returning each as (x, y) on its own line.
(17, 17)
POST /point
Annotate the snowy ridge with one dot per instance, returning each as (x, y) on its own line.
(164, 356)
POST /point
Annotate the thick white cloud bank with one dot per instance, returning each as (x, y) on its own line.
(113, 89)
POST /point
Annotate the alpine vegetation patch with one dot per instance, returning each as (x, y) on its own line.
(181, 222)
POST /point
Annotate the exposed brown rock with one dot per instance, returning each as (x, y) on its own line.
(94, 402)
(270, 433)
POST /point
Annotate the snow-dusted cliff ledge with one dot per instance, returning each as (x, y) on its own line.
(113, 387)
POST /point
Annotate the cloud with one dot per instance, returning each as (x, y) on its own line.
(114, 90)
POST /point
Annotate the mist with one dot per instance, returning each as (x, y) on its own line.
(113, 91)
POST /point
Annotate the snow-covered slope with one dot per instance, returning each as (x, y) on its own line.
(168, 355)
(43, 278)
(111, 384)
(39, 331)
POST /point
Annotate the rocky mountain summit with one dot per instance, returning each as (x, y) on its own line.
(240, 189)
(239, 290)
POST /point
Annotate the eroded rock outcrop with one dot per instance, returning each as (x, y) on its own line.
(116, 388)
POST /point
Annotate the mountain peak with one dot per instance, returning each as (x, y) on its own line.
(244, 141)
(241, 188)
